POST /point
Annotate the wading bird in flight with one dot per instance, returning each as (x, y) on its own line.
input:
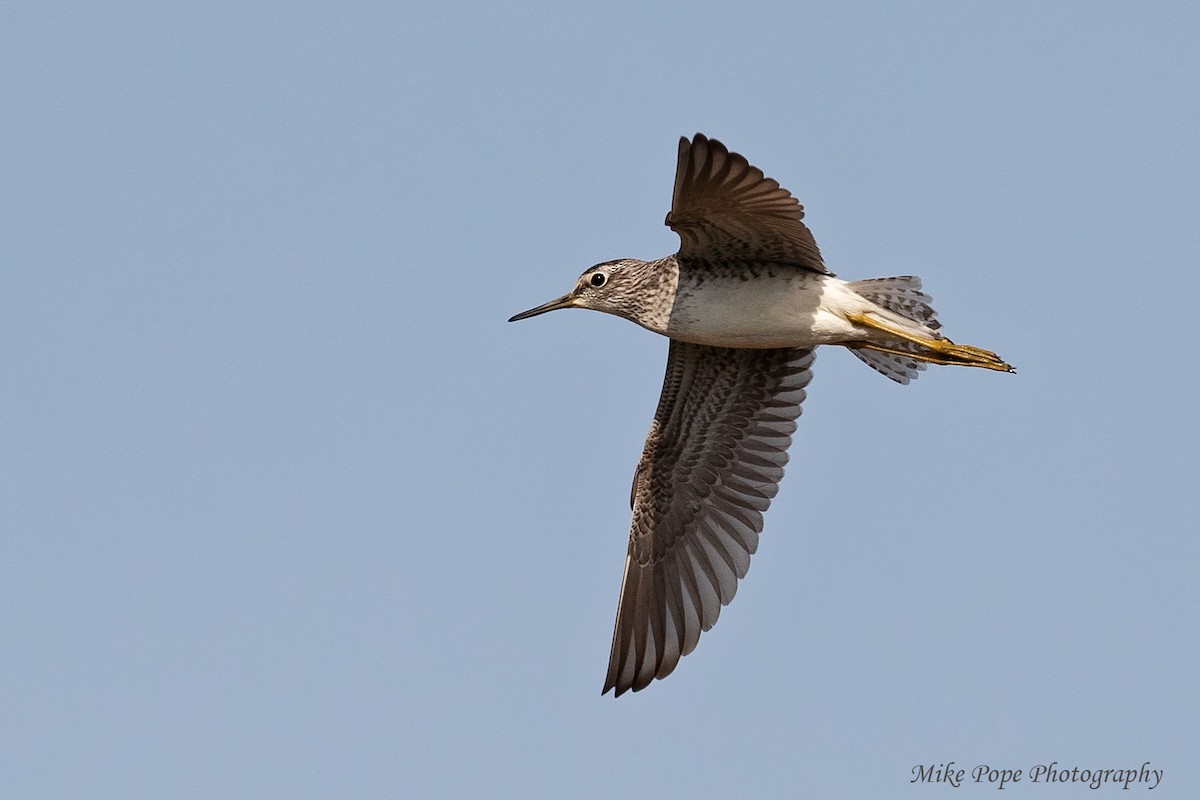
(745, 302)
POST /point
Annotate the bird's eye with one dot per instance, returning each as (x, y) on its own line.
(599, 279)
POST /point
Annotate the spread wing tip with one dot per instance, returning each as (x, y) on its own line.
(724, 207)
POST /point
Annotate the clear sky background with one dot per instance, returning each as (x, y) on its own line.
(288, 510)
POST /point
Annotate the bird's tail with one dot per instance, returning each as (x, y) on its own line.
(901, 295)
(903, 357)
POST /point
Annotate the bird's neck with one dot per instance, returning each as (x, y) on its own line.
(657, 282)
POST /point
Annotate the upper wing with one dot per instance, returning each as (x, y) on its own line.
(711, 464)
(725, 209)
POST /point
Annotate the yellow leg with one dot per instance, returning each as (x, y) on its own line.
(929, 359)
(940, 351)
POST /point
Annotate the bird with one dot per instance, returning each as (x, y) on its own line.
(745, 302)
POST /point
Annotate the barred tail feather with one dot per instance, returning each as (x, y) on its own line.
(901, 295)
(898, 368)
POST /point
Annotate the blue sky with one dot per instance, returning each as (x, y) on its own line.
(287, 509)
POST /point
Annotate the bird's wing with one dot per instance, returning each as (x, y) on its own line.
(711, 464)
(725, 209)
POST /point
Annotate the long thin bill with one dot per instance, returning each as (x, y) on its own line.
(553, 305)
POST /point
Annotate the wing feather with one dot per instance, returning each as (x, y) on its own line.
(724, 209)
(711, 464)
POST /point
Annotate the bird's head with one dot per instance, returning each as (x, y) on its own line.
(614, 287)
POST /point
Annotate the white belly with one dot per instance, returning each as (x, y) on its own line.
(793, 310)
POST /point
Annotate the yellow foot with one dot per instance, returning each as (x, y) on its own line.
(933, 351)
